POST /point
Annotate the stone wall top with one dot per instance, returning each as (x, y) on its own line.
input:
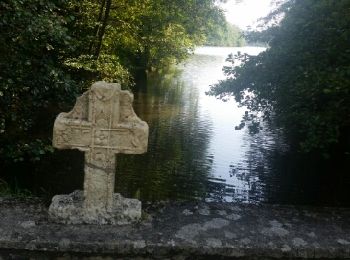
(183, 231)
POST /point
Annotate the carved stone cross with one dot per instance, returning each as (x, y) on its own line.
(101, 124)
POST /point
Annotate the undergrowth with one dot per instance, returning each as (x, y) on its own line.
(7, 190)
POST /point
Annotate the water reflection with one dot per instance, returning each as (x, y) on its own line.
(175, 166)
(196, 153)
(227, 147)
(193, 143)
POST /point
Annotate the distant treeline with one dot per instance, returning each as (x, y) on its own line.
(226, 35)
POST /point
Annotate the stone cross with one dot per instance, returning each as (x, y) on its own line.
(101, 124)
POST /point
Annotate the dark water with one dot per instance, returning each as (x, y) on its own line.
(195, 152)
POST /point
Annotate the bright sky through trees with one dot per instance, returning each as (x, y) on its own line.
(245, 13)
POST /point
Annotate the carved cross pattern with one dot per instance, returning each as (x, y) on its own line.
(101, 124)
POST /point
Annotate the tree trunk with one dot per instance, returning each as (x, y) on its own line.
(102, 29)
(98, 25)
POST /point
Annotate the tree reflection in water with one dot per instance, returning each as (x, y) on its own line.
(175, 166)
(196, 153)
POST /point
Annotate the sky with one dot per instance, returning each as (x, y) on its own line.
(246, 13)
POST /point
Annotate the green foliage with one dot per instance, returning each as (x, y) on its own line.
(105, 67)
(302, 81)
(33, 80)
(225, 35)
(146, 34)
(151, 34)
(50, 50)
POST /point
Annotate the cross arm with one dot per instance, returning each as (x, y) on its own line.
(71, 133)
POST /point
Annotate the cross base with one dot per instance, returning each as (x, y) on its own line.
(70, 209)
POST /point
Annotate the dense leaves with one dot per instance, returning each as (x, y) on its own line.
(302, 81)
(144, 35)
(51, 50)
(33, 82)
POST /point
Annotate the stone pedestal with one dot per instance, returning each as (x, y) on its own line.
(70, 209)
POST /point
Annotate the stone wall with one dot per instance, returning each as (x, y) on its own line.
(192, 230)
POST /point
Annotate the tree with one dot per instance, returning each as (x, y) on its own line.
(91, 60)
(136, 35)
(34, 83)
(50, 50)
(153, 34)
(302, 81)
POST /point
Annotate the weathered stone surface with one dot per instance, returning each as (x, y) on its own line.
(164, 232)
(101, 124)
(69, 209)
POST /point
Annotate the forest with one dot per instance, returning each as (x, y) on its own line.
(52, 50)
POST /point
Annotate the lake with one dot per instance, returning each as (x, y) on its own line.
(195, 152)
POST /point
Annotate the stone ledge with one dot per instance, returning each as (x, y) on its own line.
(180, 231)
